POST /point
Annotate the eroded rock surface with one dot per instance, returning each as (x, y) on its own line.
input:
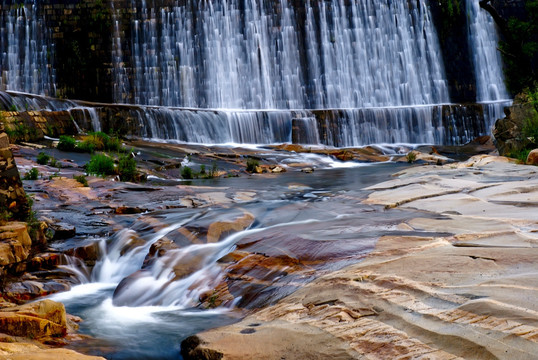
(468, 291)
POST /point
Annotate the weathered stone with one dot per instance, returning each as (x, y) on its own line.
(278, 170)
(62, 231)
(15, 243)
(12, 196)
(508, 132)
(37, 320)
(532, 158)
(25, 351)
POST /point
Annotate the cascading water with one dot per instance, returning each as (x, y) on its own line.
(251, 55)
(483, 40)
(26, 52)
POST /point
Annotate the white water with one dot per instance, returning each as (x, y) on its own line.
(251, 55)
(26, 53)
(483, 40)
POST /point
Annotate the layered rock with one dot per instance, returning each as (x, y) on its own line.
(13, 202)
(460, 284)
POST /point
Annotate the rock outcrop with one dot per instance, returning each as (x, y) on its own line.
(458, 285)
(508, 132)
(13, 202)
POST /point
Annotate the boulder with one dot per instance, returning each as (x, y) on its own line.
(508, 132)
(39, 320)
(532, 159)
(62, 231)
(15, 243)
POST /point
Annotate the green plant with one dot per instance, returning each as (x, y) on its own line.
(113, 144)
(66, 143)
(202, 169)
(214, 170)
(31, 220)
(55, 163)
(42, 158)
(127, 167)
(32, 174)
(411, 157)
(100, 165)
(14, 108)
(86, 146)
(186, 173)
(252, 164)
(5, 215)
(81, 179)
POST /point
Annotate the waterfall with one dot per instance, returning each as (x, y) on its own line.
(483, 40)
(26, 54)
(256, 54)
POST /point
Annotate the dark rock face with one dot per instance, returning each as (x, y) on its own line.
(13, 202)
(508, 132)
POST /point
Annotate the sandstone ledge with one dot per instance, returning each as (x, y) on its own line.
(467, 291)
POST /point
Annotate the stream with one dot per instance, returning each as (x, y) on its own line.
(138, 309)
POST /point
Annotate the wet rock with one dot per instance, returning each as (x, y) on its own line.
(431, 158)
(532, 159)
(158, 249)
(128, 210)
(278, 170)
(307, 170)
(39, 320)
(23, 291)
(44, 261)
(88, 253)
(62, 231)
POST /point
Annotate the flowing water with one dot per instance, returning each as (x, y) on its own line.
(26, 52)
(140, 309)
(336, 72)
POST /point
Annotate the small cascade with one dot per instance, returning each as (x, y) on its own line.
(256, 54)
(435, 124)
(177, 278)
(77, 267)
(26, 52)
(125, 252)
(87, 116)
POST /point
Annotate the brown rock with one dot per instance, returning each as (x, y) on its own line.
(26, 351)
(37, 320)
(62, 231)
(532, 159)
(128, 210)
(15, 243)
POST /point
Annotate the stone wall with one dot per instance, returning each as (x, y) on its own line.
(81, 31)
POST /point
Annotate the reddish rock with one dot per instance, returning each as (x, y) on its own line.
(532, 159)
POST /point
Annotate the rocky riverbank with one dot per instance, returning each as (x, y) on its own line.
(467, 294)
(440, 263)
